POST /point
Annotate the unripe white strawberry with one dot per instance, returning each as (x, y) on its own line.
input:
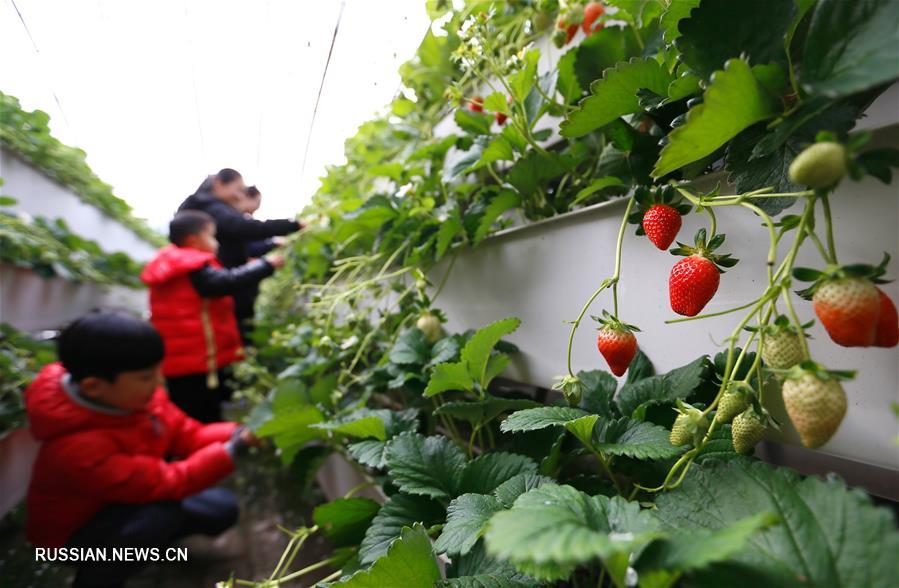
(819, 165)
(430, 326)
(815, 405)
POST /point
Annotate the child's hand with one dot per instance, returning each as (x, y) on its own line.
(249, 438)
(279, 241)
(275, 259)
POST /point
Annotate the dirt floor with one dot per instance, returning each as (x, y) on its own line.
(270, 495)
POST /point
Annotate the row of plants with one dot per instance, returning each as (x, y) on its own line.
(50, 248)
(640, 481)
(27, 134)
(21, 358)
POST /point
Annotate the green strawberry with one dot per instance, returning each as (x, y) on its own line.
(734, 401)
(820, 165)
(747, 430)
(689, 426)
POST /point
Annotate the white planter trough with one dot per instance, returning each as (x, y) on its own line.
(544, 272)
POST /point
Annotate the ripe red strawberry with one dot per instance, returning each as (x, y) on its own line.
(570, 30)
(887, 332)
(692, 283)
(591, 12)
(616, 342)
(661, 224)
(476, 104)
(694, 280)
(849, 309)
(500, 118)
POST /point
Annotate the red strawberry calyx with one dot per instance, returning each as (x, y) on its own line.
(707, 250)
(834, 272)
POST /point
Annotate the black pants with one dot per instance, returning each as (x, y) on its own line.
(192, 394)
(156, 524)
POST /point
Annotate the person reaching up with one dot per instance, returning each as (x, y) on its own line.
(191, 305)
(219, 196)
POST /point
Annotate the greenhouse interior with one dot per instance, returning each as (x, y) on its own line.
(454, 293)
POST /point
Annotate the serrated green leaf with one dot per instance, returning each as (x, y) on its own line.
(476, 569)
(641, 367)
(449, 376)
(448, 230)
(292, 429)
(825, 538)
(662, 389)
(411, 348)
(522, 81)
(533, 419)
(601, 50)
(733, 101)
(427, 466)
(640, 440)
(466, 518)
(756, 32)
(482, 411)
(505, 200)
(366, 426)
(345, 520)
(511, 489)
(616, 95)
(594, 187)
(496, 102)
(582, 427)
(485, 473)
(399, 511)
(697, 549)
(850, 47)
(409, 562)
(552, 529)
(599, 389)
(476, 353)
(672, 16)
(475, 123)
(567, 84)
(371, 452)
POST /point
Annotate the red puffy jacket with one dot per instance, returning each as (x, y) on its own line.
(200, 334)
(90, 458)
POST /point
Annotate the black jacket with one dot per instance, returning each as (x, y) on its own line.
(211, 282)
(235, 232)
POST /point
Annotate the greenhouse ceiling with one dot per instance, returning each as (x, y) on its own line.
(161, 93)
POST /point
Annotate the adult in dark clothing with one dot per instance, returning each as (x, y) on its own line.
(218, 196)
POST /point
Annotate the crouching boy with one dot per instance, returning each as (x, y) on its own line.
(120, 465)
(192, 305)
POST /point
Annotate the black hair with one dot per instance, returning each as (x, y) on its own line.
(187, 223)
(105, 343)
(253, 192)
(227, 175)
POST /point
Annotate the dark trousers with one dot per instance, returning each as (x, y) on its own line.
(192, 394)
(156, 524)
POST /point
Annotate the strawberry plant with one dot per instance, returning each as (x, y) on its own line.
(640, 481)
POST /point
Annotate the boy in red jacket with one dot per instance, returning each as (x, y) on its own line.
(120, 465)
(192, 307)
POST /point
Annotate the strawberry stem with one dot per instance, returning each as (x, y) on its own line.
(613, 281)
(795, 318)
(825, 203)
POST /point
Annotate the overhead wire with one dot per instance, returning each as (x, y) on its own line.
(38, 52)
(320, 88)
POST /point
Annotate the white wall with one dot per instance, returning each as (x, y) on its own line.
(544, 273)
(38, 195)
